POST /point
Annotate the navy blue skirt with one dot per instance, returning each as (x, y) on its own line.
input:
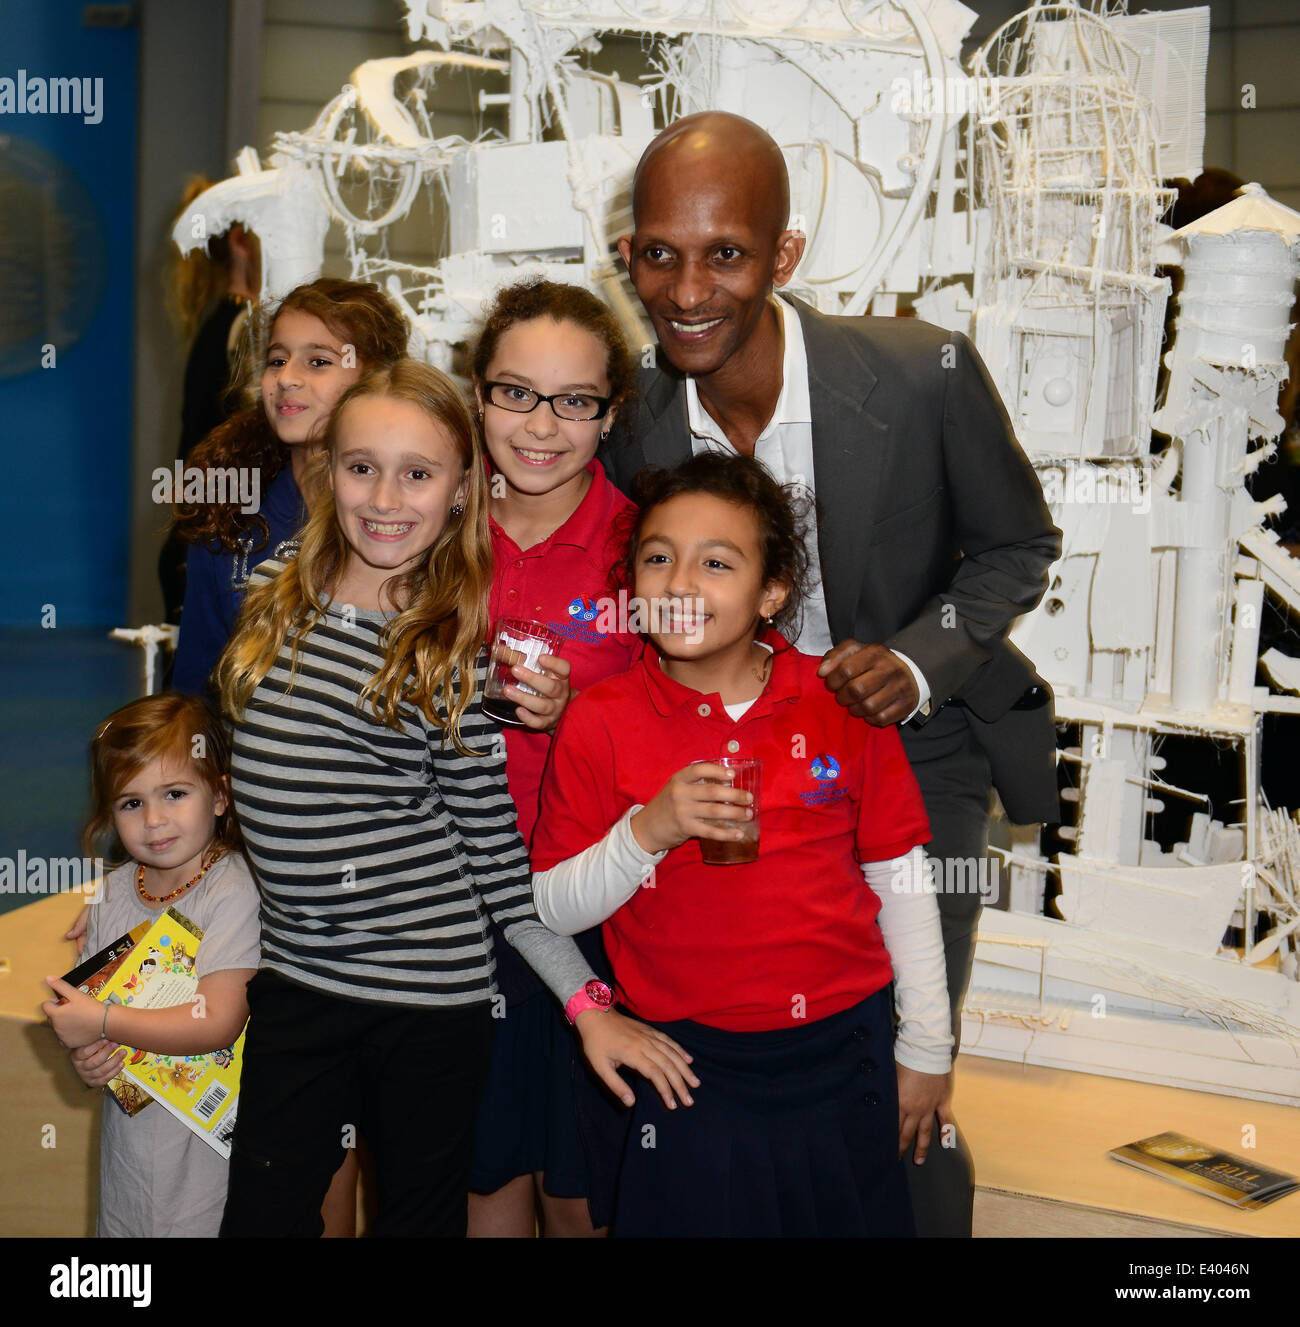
(527, 1119)
(794, 1133)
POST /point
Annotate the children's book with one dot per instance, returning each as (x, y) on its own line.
(1223, 1175)
(95, 969)
(91, 976)
(202, 1091)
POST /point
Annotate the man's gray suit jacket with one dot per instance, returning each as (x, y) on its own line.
(932, 528)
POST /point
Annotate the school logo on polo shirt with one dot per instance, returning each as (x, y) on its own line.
(825, 771)
(579, 622)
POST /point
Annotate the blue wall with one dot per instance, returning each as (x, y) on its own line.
(65, 432)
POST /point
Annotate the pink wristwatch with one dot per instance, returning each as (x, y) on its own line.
(594, 995)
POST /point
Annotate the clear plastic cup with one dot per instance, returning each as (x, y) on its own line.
(515, 641)
(747, 775)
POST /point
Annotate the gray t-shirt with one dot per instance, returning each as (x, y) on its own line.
(156, 1177)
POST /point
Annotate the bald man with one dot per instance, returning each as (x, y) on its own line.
(931, 534)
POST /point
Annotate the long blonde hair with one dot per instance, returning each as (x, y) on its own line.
(431, 645)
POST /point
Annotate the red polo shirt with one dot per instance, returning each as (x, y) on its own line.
(745, 948)
(561, 582)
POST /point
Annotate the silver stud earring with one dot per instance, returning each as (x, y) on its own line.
(604, 434)
(456, 509)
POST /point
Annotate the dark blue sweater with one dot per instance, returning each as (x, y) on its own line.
(215, 581)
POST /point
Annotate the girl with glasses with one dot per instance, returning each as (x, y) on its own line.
(551, 369)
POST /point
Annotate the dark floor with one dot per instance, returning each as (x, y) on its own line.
(55, 688)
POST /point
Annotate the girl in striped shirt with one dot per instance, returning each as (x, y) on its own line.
(372, 793)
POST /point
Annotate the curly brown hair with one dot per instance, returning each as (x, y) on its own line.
(779, 510)
(538, 298)
(357, 312)
(142, 731)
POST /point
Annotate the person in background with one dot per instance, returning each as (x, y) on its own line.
(209, 292)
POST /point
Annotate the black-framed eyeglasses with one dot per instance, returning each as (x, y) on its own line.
(574, 406)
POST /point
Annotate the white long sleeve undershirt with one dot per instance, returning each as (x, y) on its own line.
(589, 888)
(585, 890)
(909, 923)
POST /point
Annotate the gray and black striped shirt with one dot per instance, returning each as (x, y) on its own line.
(377, 851)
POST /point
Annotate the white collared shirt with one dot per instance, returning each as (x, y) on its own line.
(785, 447)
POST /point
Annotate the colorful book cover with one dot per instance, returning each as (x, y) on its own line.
(91, 975)
(1223, 1175)
(95, 969)
(202, 1091)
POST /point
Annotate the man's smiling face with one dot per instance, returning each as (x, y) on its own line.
(701, 265)
(711, 204)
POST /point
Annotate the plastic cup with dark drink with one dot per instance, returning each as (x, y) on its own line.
(518, 642)
(746, 775)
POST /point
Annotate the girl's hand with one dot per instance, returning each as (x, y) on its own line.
(98, 1063)
(920, 1097)
(76, 1023)
(541, 712)
(689, 806)
(78, 931)
(611, 1040)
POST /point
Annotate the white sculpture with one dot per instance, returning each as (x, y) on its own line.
(1151, 624)
(1039, 176)
(866, 97)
